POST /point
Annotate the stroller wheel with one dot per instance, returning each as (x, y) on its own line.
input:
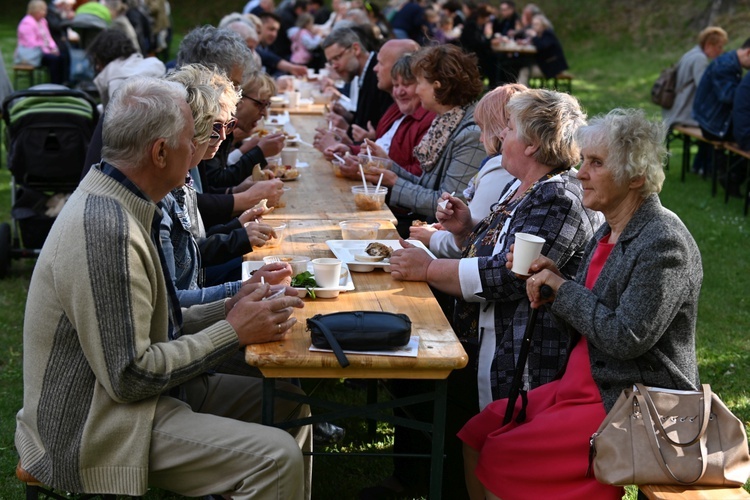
(5, 248)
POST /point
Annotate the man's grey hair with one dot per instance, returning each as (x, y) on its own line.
(344, 37)
(142, 110)
(245, 30)
(216, 48)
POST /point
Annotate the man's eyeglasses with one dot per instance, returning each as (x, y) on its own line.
(337, 58)
(228, 127)
(261, 104)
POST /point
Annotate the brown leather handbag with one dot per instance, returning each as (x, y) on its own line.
(663, 436)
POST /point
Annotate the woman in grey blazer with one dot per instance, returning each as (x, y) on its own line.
(631, 314)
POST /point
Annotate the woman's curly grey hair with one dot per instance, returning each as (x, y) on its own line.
(635, 146)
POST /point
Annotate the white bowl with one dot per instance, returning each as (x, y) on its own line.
(298, 262)
(363, 257)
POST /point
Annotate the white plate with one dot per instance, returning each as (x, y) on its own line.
(277, 120)
(345, 284)
(347, 249)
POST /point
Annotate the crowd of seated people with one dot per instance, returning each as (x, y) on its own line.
(474, 170)
(711, 94)
(55, 32)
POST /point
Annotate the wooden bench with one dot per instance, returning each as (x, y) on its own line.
(29, 72)
(666, 492)
(34, 489)
(562, 82)
(733, 149)
(689, 136)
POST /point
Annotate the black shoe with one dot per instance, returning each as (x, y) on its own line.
(327, 433)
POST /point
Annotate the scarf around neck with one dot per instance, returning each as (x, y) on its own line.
(431, 147)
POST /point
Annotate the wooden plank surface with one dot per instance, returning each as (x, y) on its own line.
(668, 492)
(317, 194)
(314, 207)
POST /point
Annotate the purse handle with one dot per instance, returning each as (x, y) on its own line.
(650, 414)
(332, 342)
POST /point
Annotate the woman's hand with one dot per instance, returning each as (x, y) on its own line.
(454, 216)
(544, 272)
(257, 320)
(410, 263)
(375, 149)
(339, 149)
(422, 233)
(335, 120)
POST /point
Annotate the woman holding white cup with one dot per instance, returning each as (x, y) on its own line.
(491, 308)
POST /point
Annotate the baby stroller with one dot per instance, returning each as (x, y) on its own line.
(48, 129)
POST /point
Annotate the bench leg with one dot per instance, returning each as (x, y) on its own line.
(685, 155)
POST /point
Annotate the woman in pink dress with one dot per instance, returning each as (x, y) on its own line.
(631, 316)
(33, 31)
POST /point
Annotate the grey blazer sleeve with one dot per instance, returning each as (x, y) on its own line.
(458, 164)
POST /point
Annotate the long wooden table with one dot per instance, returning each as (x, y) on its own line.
(315, 203)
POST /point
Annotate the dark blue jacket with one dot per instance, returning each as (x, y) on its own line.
(741, 114)
(712, 108)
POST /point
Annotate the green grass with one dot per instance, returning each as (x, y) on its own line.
(615, 58)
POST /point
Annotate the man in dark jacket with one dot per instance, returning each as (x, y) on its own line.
(347, 56)
(714, 98)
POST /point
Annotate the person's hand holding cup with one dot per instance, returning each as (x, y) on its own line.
(525, 251)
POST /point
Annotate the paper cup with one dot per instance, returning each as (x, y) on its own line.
(293, 98)
(289, 156)
(280, 231)
(527, 248)
(327, 272)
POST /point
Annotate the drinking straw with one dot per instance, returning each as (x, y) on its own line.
(262, 280)
(377, 188)
(338, 157)
(364, 181)
(369, 154)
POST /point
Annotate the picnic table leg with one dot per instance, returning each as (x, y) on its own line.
(372, 398)
(438, 439)
(269, 390)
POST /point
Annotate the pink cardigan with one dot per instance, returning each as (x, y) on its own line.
(36, 34)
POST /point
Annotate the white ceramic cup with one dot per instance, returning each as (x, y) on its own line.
(289, 156)
(527, 248)
(293, 98)
(327, 272)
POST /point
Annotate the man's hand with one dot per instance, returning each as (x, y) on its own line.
(249, 144)
(272, 144)
(256, 320)
(250, 215)
(275, 273)
(359, 134)
(258, 234)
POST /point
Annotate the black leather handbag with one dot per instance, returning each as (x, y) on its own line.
(359, 331)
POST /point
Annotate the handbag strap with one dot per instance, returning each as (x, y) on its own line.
(332, 342)
(704, 415)
(656, 449)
